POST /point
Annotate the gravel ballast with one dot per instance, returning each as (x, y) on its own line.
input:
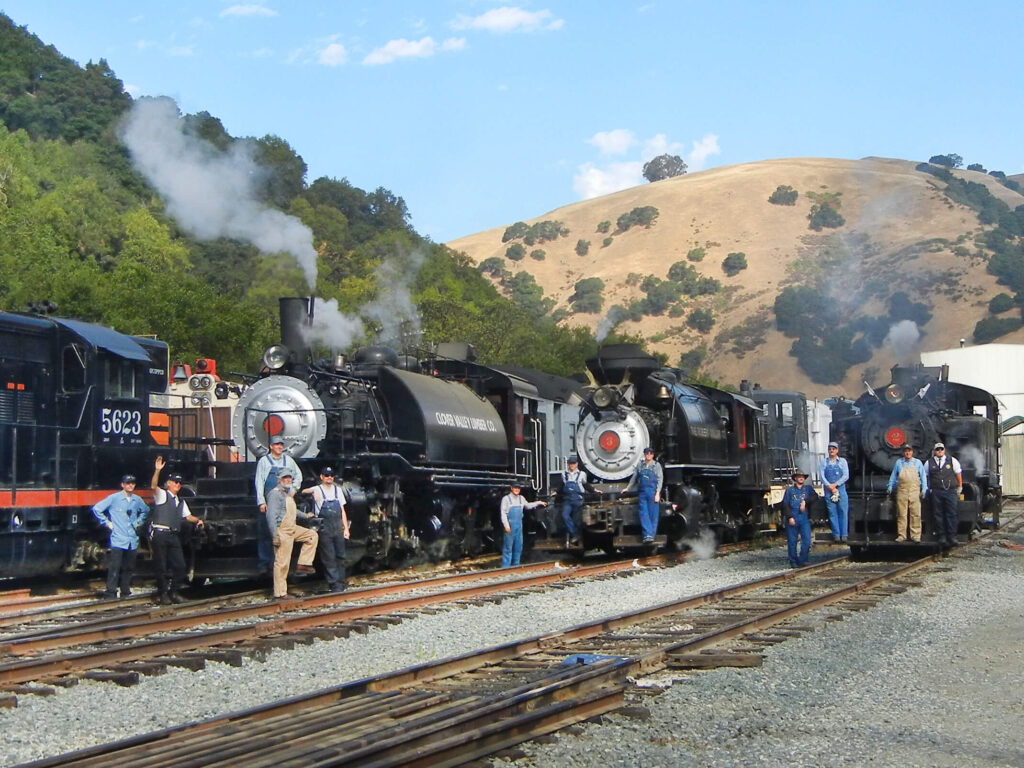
(930, 675)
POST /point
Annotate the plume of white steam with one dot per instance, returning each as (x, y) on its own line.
(903, 336)
(332, 327)
(394, 311)
(608, 323)
(209, 192)
(703, 546)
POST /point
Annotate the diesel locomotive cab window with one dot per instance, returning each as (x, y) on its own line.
(118, 379)
(73, 369)
(782, 413)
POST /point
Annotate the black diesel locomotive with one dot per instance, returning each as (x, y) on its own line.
(711, 443)
(920, 407)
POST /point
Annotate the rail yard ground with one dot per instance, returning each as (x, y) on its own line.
(930, 677)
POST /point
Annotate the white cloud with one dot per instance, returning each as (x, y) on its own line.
(613, 142)
(660, 145)
(701, 151)
(333, 55)
(591, 181)
(411, 49)
(509, 19)
(247, 10)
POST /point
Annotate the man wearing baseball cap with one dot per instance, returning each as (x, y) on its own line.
(122, 512)
(169, 509)
(834, 472)
(282, 519)
(267, 469)
(946, 482)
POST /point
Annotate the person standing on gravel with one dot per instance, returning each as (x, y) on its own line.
(282, 520)
(122, 512)
(574, 484)
(169, 509)
(834, 472)
(796, 508)
(946, 481)
(267, 469)
(329, 507)
(512, 507)
(909, 482)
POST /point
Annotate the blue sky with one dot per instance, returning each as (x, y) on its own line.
(482, 113)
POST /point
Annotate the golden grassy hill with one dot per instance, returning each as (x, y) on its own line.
(901, 233)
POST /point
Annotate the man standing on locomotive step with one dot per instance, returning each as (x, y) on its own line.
(835, 473)
(648, 478)
(282, 519)
(910, 484)
(574, 482)
(122, 512)
(169, 509)
(329, 506)
(267, 469)
(796, 507)
(512, 507)
(946, 481)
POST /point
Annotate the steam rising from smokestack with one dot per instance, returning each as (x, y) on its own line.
(615, 316)
(209, 192)
(903, 337)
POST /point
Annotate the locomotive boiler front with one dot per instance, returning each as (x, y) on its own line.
(279, 406)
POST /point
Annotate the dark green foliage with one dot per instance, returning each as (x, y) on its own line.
(696, 254)
(701, 320)
(991, 328)
(367, 214)
(747, 336)
(1001, 302)
(948, 161)
(586, 295)
(936, 171)
(824, 215)
(286, 171)
(516, 252)
(524, 292)
(492, 266)
(606, 242)
(734, 263)
(664, 167)
(783, 195)
(660, 295)
(977, 167)
(538, 254)
(644, 216)
(541, 232)
(582, 247)
(1015, 186)
(798, 307)
(690, 281)
(50, 96)
(603, 227)
(902, 308)
(691, 360)
(997, 175)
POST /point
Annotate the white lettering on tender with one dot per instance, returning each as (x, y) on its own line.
(461, 421)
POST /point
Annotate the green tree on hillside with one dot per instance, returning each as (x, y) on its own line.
(664, 167)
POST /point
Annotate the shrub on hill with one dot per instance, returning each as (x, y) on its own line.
(538, 254)
(691, 360)
(492, 266)
(1001, 302)
(582, 247)
(643, 216)
(586, 295)
(531, 234)
(747, 336)
(604, 227)
(783, 195)
(664, 167)
(977, 167)
(991, 328)
(734, 263)
(824, 215)
(516, 252)
(696, 254)
(949, 161)
(701, 320)
(606, 242)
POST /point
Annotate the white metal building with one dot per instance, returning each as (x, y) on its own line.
(998, 368)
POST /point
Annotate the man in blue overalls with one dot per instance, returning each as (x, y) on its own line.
(835, 473)
(574, 482)
(329, 506)
(648, 478)
(796, 507)
(512, 506)
(267, 469)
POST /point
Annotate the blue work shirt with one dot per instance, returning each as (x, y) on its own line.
(792, 498)
(898, 467)
(121, 513)
(834, 472)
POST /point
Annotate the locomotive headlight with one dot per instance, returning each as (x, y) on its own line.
(193, 383)
(275, 357)
(894, 394)
(605, 397)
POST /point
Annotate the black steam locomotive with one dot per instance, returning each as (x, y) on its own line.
(712, 444)
(920, 407)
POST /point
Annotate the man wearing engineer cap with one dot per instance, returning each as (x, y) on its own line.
(266, 480)
(946, 482)
(835, 473)
(648, 478)
(909, 483)
(282, 519)
(796, 509)
(169, 509)
(122, 512)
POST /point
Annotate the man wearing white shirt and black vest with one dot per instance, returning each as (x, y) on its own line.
(946, 482)
(169, 509)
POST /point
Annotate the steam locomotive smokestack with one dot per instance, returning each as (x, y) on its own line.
(296, 313)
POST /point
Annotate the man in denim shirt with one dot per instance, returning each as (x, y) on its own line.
(121, 512)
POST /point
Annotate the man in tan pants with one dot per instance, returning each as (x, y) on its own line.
(910, 482)
(281, 519)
